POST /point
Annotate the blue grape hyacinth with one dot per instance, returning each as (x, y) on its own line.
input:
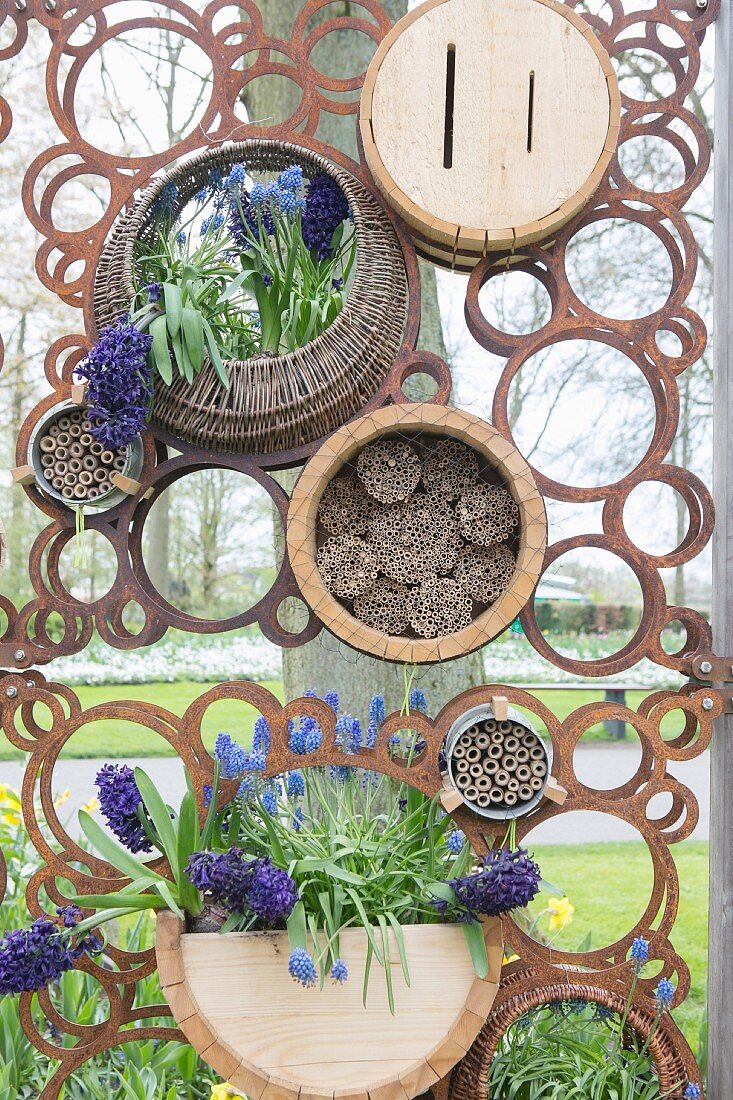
(301, 967)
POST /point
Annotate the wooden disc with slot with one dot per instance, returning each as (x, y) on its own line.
(488, 123)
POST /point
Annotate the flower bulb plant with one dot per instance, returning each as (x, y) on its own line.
(249, 268)
(314, 851)
(578, 1048)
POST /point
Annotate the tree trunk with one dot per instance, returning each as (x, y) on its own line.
(326, 662)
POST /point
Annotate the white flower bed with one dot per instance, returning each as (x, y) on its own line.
(510, 660)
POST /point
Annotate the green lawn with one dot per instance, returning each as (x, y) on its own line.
(610, 885)
(113, 738)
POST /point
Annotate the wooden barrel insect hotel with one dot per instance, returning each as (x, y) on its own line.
(236, 1004)
(274, 402)
(499, 765)
(417, 533)
(488, 125)
(72, 467)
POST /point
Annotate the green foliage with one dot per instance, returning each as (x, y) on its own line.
(568, 1051)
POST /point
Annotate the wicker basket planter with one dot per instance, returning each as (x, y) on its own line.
(275, 403)
(235, 1003)
(526, 990)
(72, 467)
(417, 533)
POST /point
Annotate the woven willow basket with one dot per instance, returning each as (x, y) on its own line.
(522, 992)
(274, 403)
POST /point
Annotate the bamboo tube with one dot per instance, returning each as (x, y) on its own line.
(512, 783)
(86, 440)
(483, 799)
(76, 450)
(49, 474)
(491, 767)
(74, 465)
(501, 778)
(473, 755)
(64, 439)
(511, 744)
(496, 794)
(471, 732)
(47, 460)
(67, 492)
(475, 770)
(85, 478)
(489, 725)
(496, 737)
(529, 739)
(61, 452)
(518, 730)
(525, 792)
(459, 751)
(522, 755)
(463, 781)
(471, 792)
(510, 798)
(483, 783)
(495, 751)
(100, 475)
(69, 479)
(75, 431)
(61, 468)
(119, 463)
(86, 424)
(47, 444)
(483, 740)
(461, 767)
(537, 752)
(107, 457)
(96, 448)
(509, 762)
(58, 483)
(89, 462)
(64, 422)
(80, 492)
(505, 727)
(54, 430)
(93, 493)
(536, 783)
(523, 773)
(539, 767)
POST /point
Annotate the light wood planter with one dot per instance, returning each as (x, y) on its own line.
(236, 1004)
(488, 123)
(405, 420)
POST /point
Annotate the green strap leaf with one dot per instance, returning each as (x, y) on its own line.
(297, 927)
(160, 816)
(193, 337)
(161, 357)
(173, 307)
(474, 933)
(112, 852)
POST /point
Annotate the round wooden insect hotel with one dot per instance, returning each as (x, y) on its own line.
(488, 125)
(416, 533)
(527, 989)
(71, 466)
(273, 402)
(500, 766)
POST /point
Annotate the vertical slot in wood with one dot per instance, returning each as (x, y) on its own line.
(450, 92)
(530, 111)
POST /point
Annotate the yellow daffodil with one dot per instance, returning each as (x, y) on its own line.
(8, 794)
(10, 819)
(510, 959)
(61, 798)
(225, 1091)
(561, 912)
(92, 805)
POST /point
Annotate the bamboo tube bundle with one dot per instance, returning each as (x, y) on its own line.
(500, 768)
(75, 467)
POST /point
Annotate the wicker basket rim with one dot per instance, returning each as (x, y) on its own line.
(348, 183)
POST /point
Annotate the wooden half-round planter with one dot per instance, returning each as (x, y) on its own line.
(417, 533)
(233, 999)
(274, 403)
(488, 125)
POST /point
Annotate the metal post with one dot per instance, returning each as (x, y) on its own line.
(720, 971)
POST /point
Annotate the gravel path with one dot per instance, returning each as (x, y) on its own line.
(601, 765)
